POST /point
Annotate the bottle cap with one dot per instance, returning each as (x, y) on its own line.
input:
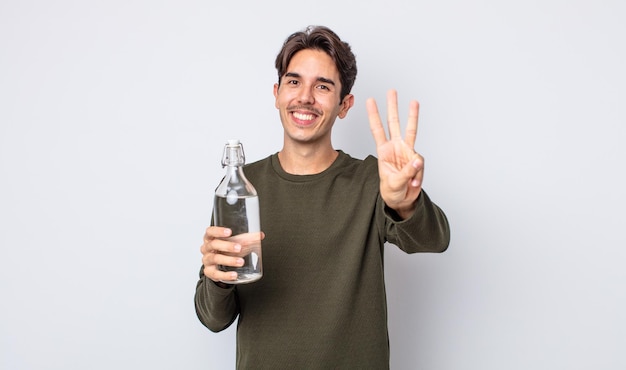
(233, 142)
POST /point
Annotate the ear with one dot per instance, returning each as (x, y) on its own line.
(276, 95)
(346, 104)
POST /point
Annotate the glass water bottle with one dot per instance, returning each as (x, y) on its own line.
(236, 207)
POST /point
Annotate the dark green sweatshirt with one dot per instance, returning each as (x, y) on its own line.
(321, 302)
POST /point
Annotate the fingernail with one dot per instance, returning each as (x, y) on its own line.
(416, 163)
(227, 232)
(237, 248)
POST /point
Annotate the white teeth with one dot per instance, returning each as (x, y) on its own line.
(304, 117)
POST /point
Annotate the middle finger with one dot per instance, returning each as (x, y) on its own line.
(392, 115)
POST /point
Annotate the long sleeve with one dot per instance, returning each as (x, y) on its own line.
(216, 307)
(427, 230)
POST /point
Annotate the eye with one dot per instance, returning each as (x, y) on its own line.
(292, 82)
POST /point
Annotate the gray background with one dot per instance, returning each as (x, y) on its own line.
(113, 116)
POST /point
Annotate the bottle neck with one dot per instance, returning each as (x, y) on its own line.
(233, 156)
(234, 181)
(233, 171)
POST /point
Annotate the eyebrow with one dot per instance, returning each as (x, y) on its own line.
(320, 79)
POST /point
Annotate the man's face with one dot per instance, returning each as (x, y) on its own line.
(308, 97)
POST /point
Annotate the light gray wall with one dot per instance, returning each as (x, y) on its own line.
(113, 115)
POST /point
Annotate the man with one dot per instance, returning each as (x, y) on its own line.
(325, 218)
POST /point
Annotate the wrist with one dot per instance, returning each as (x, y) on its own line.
(405, 213)
(402, 212)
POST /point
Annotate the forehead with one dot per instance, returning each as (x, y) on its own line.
(316, 63)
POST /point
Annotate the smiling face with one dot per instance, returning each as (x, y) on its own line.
(308, 98)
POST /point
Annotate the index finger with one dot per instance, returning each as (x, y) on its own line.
(213, 232)
(246, 239)
(392, 115)
(376, 126)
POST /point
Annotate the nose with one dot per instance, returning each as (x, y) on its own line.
(305, 95)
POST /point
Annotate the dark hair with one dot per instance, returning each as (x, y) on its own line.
(323, 39)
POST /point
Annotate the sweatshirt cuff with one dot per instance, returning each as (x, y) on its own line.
(393, 216)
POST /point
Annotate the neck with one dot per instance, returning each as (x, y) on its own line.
(309, 161)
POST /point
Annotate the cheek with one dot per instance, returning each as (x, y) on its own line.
(282, 100)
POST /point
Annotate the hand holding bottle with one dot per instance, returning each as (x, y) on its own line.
(222, 249)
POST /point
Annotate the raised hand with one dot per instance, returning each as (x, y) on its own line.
(400, 168)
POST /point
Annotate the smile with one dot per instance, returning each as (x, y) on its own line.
(303, 117)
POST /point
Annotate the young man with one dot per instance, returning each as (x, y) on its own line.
(325, 218)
